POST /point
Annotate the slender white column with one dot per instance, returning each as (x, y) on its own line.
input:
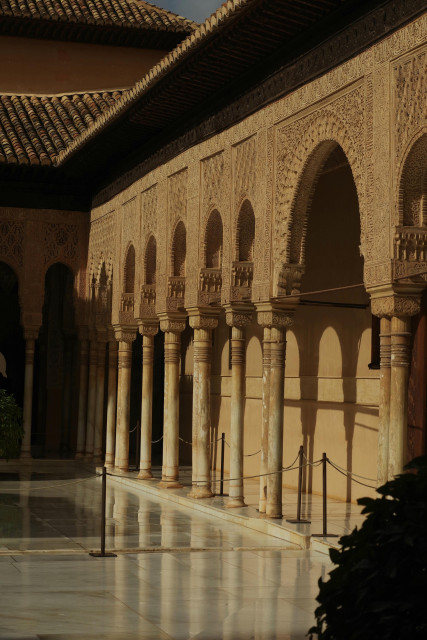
(110, 439)
(30, 335)
(91, 401)
(100, 382)
(170, 467)
(148, 332)
(266, 364)
(125, 336)
(203, 326)
(81, 425)
(238, 321)
(384, 400)
(399, 376)
(275, 426)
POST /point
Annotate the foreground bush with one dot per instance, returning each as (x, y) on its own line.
(11, 429)
(378, 590)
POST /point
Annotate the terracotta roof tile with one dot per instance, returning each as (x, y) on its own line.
(35, 129)
(121, 13)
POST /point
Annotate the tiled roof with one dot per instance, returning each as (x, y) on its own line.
(35, 129)
(126, 13)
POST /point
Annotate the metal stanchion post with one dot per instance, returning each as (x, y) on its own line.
(102, 553)
(324, 534)
(221, 484)
(299, 498)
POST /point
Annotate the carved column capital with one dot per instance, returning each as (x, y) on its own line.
(395, 305)
(238, 315)
(148, 327)
(172, 323)
(124, 333)
(31, 333)
(203, 319)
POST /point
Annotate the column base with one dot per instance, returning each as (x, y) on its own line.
(236, 502)
(200, 492)
(88, 457)
(79, 456)
(170, 484)
(120, 471)
(145, 474)
(25, 455)
(98, 460)
(275, 515)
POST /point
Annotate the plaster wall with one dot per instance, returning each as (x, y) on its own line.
(29, 65)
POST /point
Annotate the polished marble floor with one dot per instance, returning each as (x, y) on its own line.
(198, 576)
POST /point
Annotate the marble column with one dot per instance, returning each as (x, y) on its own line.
(399, 375)
(266, 365)
(384, 400)
(203, 327)
(273, 507)
(125, 337)
(81, 424)
(91, 400)
(170, 467)
(30, 335)
(148, 330)
(100, 382)
(237, 320)
(110, 439)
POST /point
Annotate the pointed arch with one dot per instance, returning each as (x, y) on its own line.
(245, 233)
(412, 197)
(213, 241)
(179, 250)
(129, 271)
(150, 261)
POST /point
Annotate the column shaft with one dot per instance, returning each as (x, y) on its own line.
(236, 498)
(170, 468)
(400, 359)
(265, 418)
(384, 401)
(28, 395)
(81, 425)
(91, 402)
(99, 412)
(146, 407)
(202, 361)
(111, 404)
(123, 406)
(195, 420)
(275, 426)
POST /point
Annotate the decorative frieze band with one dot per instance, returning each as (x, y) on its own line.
(395, 305)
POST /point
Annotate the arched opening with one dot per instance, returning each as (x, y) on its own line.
(12, 345)
(179, 250)
(150, 261)
(413, 186)
(336, 407)
(411, 246)
(55, 403)
(245, 233)
(129, 272)
(213, 241)
(243, 266)
(210, 282)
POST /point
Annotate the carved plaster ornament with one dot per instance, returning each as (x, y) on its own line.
(395, 305)
(148, 327)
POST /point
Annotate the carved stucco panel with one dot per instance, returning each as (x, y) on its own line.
(342, 121)
(409, 107)
(11, 242)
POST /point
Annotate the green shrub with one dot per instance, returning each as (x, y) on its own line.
(11, 428)
(378, 590)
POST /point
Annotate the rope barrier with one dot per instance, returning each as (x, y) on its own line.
(350, 473)
(248, 455)
(345, 474)
(51, 486)
(156, 441)
(185, 441)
